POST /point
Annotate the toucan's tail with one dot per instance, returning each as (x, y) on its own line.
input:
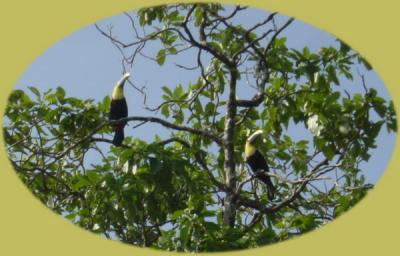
(119, 135)
(270, 186)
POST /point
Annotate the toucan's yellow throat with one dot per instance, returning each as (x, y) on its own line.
(118, 92)
(250, 147)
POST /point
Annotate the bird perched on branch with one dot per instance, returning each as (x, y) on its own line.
(119, 109)
(257, 162)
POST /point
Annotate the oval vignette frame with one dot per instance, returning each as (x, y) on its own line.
(364, 229)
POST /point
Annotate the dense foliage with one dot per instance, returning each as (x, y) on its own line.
(173, 193)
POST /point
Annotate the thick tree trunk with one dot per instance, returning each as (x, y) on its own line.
(229, 163)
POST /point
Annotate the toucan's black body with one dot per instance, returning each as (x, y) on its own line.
(118, 110)
(257, 163)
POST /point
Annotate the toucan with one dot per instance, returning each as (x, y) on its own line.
(257, 162)
(119, 109)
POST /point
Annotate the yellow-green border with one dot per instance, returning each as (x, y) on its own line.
(28, 28)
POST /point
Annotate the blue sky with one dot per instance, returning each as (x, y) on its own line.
(87, 66)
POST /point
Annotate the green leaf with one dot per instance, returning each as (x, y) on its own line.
(379, 106)
(26, 101)
(319, 143)
(171, 40)
(178, 92)
(82, 182)
(307, 222)
(177, 214)
(211, 226)
(60, 94)
(198, 107)
(221, 81)
(366, 64)
(93, 176)
(70, 216)
(215, 46)
(184, 233)
(51, 98)
(161, 56)
(226, 37)
(345, 48)
(35, 91)
(167, 90)
(179, 117)
(210, 107)
(142, 18)
(358, 100)
(333, 97)
(126, 155)
(172, 50)
(174, 18)
(329, 151)
(165, 110)
(198, 14)
(344, 204)
(306, 53)
(104, 105)
(332, 74)
(282, 155)
(267, 235)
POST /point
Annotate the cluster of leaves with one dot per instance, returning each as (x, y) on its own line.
(130, 194)
(52, 115)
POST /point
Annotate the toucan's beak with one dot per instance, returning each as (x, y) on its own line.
(123, 79)
(253, 138)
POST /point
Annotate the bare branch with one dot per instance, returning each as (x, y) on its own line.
(191, 40)
(276, 34)
(220, 18)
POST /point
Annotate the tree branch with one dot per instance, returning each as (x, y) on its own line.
(255, 204)
(191, 40)
(160, 121)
